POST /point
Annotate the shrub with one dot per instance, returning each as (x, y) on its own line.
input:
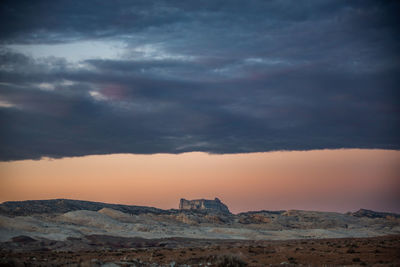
(229, 261)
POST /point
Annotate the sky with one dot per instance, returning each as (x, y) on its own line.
(324, 180)
(83, 79)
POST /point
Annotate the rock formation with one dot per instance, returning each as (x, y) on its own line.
(203, 204)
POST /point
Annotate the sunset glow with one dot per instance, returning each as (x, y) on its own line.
(332, 180)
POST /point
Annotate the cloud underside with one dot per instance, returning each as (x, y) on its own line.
(207, 76)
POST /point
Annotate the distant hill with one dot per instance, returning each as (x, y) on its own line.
(29, 207)
(373, 214)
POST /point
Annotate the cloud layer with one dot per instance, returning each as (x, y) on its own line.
(213, 76)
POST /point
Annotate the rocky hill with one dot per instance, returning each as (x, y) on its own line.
(374, 214)
(204, 204)
(29, 207)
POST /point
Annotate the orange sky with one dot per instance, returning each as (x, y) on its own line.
(332, 180)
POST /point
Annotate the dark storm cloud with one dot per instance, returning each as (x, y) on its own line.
(214, 76)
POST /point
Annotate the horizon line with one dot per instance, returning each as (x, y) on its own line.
(124, 204)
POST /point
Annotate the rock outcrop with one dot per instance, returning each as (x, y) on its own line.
(203, 204)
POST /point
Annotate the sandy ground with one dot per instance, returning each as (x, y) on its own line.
(106, 251)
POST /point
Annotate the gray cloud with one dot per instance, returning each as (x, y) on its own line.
(207, 76)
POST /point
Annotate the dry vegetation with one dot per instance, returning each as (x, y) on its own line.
(379, 251)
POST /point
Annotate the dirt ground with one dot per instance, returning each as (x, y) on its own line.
(376, 251)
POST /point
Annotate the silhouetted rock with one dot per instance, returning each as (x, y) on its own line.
(203, 204)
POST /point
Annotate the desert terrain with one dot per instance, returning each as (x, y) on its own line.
(82, 233)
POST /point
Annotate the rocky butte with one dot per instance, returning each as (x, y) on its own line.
(203, 204)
